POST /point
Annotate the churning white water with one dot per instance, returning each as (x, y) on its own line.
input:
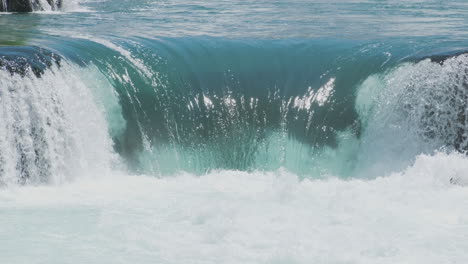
(414, 216)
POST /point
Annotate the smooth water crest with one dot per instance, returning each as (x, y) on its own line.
(273, 131)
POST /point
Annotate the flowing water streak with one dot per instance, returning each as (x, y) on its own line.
(3, 5)
(51, 128)
(46, 5)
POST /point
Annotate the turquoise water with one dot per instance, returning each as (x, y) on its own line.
(201, 77)
(234, 131)
(260, 19)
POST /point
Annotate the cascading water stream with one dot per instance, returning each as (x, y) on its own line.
(29, 5)
(52, 129)
(3, 6)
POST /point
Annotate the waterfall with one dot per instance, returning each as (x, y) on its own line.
(29, 5)
(51, 127)
(3, 6)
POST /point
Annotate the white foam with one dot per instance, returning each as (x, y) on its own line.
(414, 216)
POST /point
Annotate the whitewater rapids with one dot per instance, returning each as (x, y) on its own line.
(415, 216)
